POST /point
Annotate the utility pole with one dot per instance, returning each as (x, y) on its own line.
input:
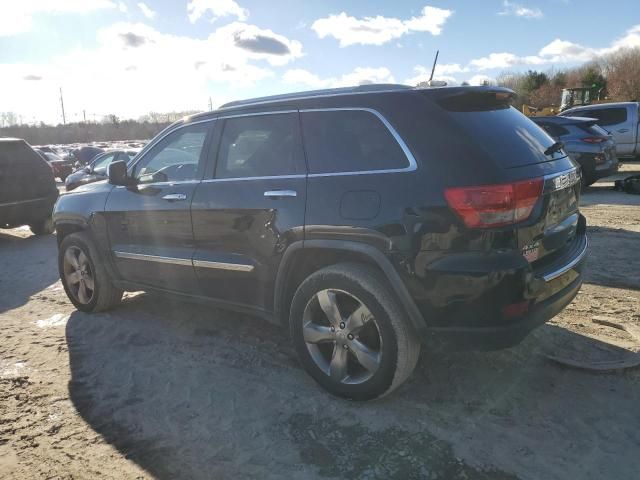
(64, 119)
(84, 116)
(210, 104)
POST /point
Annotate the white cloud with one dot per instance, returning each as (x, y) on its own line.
(359, 76)
(122, 7)
(17, 16)
(378, 30)
(556, 52)
(481, 80)
(232, 58)
(517, 10)
(443, 72)
(217, 8)
(146, 10)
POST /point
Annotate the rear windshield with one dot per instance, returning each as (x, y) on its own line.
(17, 151)
(511, 138)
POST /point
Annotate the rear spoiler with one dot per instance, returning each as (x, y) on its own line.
(473, 99)
(587, 121)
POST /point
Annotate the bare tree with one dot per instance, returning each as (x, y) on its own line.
(623, 74)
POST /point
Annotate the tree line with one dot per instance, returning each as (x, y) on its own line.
(111, 128)
(616, 76)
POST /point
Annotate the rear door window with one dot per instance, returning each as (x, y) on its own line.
(260, 146)
(606, 116)
(349, 141)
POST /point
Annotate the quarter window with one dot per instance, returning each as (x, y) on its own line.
(349, 141)
(175, 158)
(258, 146)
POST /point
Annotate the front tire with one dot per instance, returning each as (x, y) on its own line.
(84, 276)
(350, 333)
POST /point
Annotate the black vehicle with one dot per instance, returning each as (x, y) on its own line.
(97, 169)
(368, 221)
(85, 155)
(27, 187)
(588, 144)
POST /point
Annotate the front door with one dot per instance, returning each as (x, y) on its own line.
(250, 208)
(149, 224)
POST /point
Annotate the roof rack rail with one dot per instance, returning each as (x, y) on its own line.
(368, 88)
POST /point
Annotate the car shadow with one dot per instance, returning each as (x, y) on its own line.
(191, 392)
(616, 252)
(21, 278)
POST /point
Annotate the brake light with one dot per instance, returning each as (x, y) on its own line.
(594, 139)
(495, 205)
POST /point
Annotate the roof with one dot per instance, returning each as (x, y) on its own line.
(371, 88)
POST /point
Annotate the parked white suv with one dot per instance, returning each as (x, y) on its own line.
(620, 119)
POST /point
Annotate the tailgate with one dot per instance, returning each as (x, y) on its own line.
(553, 226)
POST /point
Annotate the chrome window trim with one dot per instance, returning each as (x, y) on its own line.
(187, 262)
(153, 258)
(234, 267)
(161, 184)
(413, 165)
(162, 136)
(565, 268)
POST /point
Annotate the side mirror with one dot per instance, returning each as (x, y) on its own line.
(117, 172)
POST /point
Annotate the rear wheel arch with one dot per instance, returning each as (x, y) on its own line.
(301, 259)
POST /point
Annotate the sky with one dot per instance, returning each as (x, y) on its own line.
(128, 58)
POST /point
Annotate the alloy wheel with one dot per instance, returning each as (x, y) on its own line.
(78, 275)
(342, 336)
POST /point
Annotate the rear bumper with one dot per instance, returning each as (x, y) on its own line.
(594, 172)
(504, 336)
(473, 313)
(23, 212)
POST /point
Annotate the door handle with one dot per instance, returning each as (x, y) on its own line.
(174, 197)
(623, 130)
(280, 193)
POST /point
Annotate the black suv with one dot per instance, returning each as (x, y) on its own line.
(368, 221)
(27, 188)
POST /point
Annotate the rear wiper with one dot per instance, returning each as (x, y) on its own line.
(556, 147)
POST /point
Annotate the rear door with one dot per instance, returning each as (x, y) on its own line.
(149, 224)
(250, 207)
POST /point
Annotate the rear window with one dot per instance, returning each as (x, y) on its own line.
(512, 139)
(554, 130)
(606, 116)
(13, 152)
(349, 141)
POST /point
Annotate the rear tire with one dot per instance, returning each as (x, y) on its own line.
(43, 227)
(349, 361)
(84, 276)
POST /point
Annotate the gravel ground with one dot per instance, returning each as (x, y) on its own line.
(161, 389)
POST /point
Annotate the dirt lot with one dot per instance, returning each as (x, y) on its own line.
(171, 390)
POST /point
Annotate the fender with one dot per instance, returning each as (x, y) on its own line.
(375, 255)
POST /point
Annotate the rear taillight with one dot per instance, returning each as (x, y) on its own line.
(594, 139)
(495, 205)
